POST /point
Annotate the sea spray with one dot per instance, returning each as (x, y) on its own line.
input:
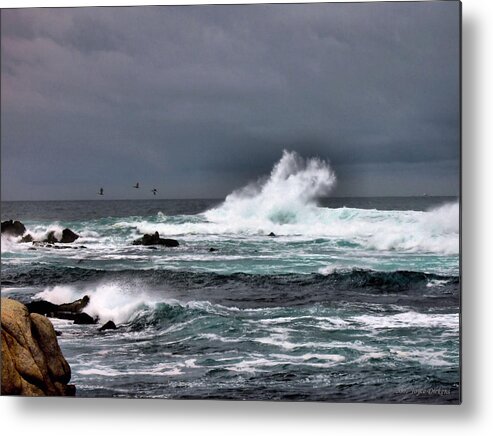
(108, 301)
(293, 186)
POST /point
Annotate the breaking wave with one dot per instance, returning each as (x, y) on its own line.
(140, 307)
(285, 204)
(292, 187)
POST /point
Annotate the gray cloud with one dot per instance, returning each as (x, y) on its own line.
(197, 100)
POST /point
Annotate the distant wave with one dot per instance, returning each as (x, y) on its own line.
(292, 187)
(285, 203)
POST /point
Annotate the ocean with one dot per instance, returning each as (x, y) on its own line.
(353, 299)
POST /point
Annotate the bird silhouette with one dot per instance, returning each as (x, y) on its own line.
(154, 191)
(101, 191)
(137, 185)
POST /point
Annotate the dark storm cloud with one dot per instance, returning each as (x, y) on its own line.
(197, 100)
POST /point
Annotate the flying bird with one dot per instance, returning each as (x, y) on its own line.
(154, 191)
(137, 185)
(101, 191)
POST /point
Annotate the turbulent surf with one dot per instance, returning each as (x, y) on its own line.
(278, 291)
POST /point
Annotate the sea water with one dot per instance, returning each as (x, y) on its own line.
(353, 299)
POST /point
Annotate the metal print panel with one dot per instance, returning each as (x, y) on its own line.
(237, 202)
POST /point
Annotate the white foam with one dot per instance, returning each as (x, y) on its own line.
(108, 301)
(285, 203)
(39, 232)
(423, 356)
(257, 364)
(410, 319)
(292, 187)
(436, 283)
(10, 244)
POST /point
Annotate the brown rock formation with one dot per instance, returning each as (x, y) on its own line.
(32, 362)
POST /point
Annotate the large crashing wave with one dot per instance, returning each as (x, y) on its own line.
(292, 187)
(285, 203)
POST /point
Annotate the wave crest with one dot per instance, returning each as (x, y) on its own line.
(292, 187)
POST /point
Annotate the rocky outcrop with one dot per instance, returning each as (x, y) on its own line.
(68, 236)
(27, 238)
(16, 228)
(13, 228)
(32, 362)
(84, 318)
(71, 311)
(110, 325)
(50, 238)
(156, 240)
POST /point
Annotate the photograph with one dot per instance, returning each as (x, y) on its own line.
(253, 202)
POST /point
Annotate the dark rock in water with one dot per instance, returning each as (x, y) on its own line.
(76, 306)
(169, 242)
(58, 333)
(58, 247)
(82, 246)
(50, 238)
(152, 248)
(271, 234)
(62, 311)
(27, 238)
(68, 236)
(42, 307)
(156, 240)
(213, 249)
(14, 228)
(32, 248)
(110, 325)
(84, 318)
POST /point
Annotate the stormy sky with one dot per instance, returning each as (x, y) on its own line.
(199, 100)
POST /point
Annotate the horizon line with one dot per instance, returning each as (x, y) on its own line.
(223, 198)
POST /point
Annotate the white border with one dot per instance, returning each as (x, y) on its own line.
(141, 417)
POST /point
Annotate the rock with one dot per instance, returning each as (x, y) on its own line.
(156, 240)
(32, 362)
(50, 238)
(110, 325)
(27, 238)
(62, 311)
(169, 242)
(13, 228)
(212, 249)
(68, 236)
(76, 306)
(42, 307)
(271, 234)
(84, 318)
